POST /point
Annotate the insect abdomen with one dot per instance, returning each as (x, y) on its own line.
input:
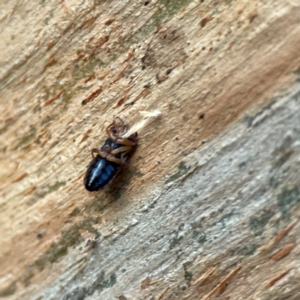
(100, 172)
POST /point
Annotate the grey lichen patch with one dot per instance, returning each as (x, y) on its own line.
(197, 233)
(76, 211)
(173, 7)
(10, 290)
(31, 135)
(225, 218)
(40, 192)
(78, 293)
(49, 118)
(132, 172)
(101, 283)
(167, 10)
(88, 223)
(201, 238)
(197, 225)
(64, 91)
(175, 241)
(247, 250)
(96, 205)
(182, 170)
(54, 252)
(282, 153)
(50, 16)
(69, 238)
(84, 70)
(52, 255)
(32, 201)
(188, 276)
(274, 182)
(26, 278)
(56, 186)
(283, 157)
(259, 222)
(287, 199)
(67, 96)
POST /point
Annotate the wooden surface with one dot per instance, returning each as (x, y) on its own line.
(209, 207)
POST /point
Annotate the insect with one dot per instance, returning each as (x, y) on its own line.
(109, 159)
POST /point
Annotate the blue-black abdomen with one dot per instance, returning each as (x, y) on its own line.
(99, 173)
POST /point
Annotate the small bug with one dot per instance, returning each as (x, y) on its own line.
(108, 160)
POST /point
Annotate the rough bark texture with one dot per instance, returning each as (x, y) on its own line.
(209, 207)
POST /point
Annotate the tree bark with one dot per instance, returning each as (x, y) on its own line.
(209, 206)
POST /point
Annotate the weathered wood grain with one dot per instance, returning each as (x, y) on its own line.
(210, 203)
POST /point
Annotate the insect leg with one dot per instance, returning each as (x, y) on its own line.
(112, 158)
(97, 151)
